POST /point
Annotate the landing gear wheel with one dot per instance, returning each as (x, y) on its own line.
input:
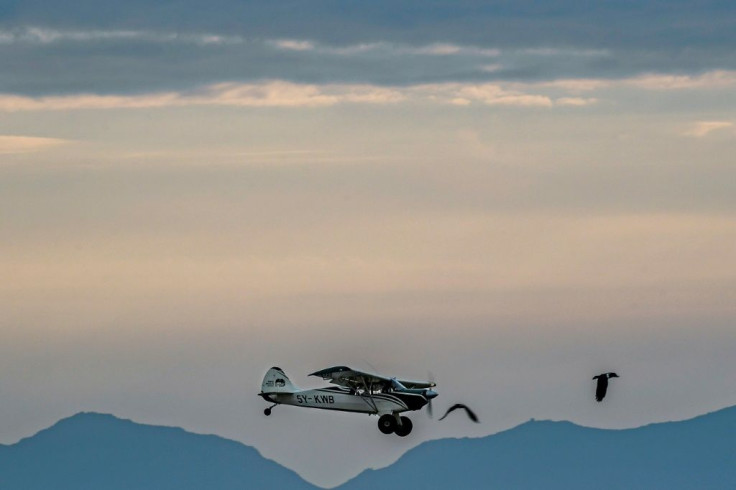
(267, 412)
(387, 424)
(404, 429)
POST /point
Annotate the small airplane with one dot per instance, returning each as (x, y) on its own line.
(356, 391)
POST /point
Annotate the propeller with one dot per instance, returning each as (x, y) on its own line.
(430, 378)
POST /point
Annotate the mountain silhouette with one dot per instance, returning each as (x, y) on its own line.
(91, 451)
(697, 453)
(101, 452)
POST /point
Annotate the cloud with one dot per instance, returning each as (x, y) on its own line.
(278, 93)
(12, 144)
(43, 35)
(389, 49)
(40, 35)
(703, 128)
(494, 95)
(445, 49)
(575, 101)
(520, 100)
(292, 45)
(711, 80)
(267, 94)
(285, 94)
(14, 103)
(273, 94)
(549, 51)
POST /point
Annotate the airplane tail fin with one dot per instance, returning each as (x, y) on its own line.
(275, 381)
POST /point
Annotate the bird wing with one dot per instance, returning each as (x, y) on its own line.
(600, 389)
(451, 409)
(470, 413)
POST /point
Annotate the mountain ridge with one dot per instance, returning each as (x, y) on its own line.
(658, 455)
(91, 450)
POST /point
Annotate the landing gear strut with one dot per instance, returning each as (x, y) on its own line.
(267, 411)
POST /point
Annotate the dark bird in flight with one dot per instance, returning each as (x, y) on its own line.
(470, 413)
(602, 386)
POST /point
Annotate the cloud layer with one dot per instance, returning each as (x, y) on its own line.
(281, 93)
(113, 48)
(285, 94)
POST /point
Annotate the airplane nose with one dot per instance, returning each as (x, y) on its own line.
(430, 394)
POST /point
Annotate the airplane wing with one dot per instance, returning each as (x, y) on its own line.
(416, 384)
(352, 378)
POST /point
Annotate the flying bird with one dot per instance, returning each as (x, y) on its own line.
(602, 386)
(470, 413)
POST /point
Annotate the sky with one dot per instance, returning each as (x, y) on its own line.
(509, 197)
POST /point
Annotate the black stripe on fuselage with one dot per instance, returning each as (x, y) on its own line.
(409, 401)
(413, 401)
(391, 397)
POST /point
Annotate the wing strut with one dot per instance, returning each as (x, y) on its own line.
(370, 401)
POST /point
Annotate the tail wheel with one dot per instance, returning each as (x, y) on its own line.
(267, 412)
(404, 429)
(387, 424)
